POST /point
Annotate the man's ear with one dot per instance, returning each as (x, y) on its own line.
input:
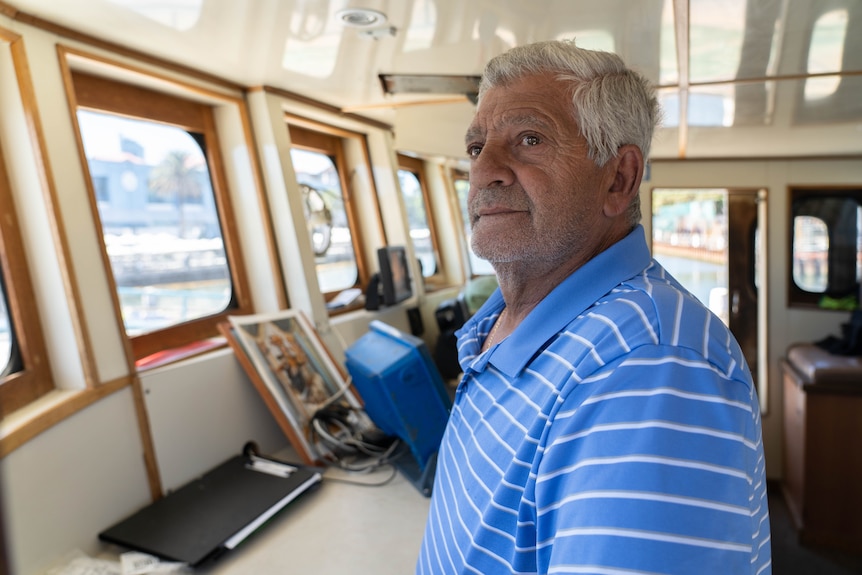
(628, 166)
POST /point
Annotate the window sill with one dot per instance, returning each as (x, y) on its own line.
(347, 308)
(435, 286)
(168, 356)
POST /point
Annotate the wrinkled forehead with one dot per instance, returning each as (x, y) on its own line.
(534, 101)
(508, 119)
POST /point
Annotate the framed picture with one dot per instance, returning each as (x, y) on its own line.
(293, 371)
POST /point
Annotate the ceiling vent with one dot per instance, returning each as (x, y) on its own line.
(431, 84)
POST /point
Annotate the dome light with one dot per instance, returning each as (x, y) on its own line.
(361, 17)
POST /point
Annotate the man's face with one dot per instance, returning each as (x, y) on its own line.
(534, 194)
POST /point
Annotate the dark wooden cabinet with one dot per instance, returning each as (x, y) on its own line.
(822, 481)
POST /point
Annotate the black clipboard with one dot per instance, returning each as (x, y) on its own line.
(216, 512)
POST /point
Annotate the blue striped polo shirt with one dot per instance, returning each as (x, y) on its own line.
(615, 431)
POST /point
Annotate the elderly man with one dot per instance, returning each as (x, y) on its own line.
(606, 422)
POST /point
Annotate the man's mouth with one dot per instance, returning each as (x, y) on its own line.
(496, 211)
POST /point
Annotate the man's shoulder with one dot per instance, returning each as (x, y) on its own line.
(659, 297)
(652, 308)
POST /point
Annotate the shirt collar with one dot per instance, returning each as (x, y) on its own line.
(575, 294)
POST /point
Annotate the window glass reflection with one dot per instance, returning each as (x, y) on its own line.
(423, 21)
(417, 220)
(478, 266)
(312, 45)
(716, 33)
(825, 54)
(177, 15)
(810, 250)
(5, 334)
(326, 214)
(669, 67)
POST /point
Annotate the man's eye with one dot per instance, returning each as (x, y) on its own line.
(531, 140)
(473, 151)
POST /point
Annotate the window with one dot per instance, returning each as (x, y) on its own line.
(690, 239)
(6, 335)
(810, 246)
(477, 265)
(25, 373)
(163, 207)
(318, 160)
(422, 233)
(826, 248)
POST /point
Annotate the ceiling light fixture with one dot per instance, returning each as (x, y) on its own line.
(431, 84)
(361, 17)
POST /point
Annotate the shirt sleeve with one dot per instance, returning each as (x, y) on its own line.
(654, 464)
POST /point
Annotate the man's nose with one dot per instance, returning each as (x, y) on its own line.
(492, 167)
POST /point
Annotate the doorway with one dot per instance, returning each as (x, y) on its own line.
(711, 240)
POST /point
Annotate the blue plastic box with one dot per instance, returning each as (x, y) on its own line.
(402, 389)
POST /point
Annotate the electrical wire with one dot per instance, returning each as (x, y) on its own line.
(392, 473)
(337, 395)
(349, 450)
(341, 429)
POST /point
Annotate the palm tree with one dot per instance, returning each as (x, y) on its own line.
(175, 179)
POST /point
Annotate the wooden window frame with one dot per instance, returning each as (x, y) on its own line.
(34, 378)
(106, 95)
(457, 174)
(417, 167)
(330, 141)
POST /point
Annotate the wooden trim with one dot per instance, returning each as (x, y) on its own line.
(764, 79)
(37, 369)
(381, 229)
(34, 379)
(345, 175)
(227, 217)
(302, 99)
(329, 140)
(456, 174)
(453, 207)
(149, 449)
(317, 139)
(417, 167)
(7, 10)
(102, 94)
(67, 267)
(319, 127)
